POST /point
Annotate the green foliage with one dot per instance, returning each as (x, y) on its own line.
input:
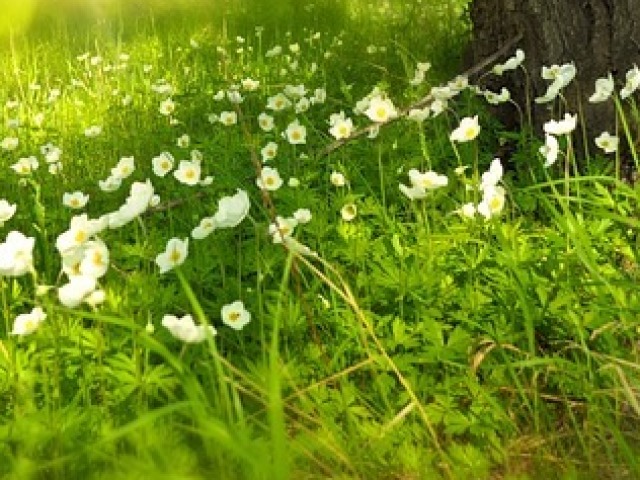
(417, 343)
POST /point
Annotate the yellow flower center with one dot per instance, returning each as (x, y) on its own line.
(234, 317)
(175, 256)
(80, 236)
(98, 258)
(495, 203)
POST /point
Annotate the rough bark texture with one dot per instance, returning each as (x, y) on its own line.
(600, 36)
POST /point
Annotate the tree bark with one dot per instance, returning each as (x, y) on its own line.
(599, 36)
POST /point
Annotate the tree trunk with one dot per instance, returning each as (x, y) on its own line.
(599, 36)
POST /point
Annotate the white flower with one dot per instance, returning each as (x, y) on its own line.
(269, 151)
(196, 156)
(81, 229)
(95, 298)
(296, 134)
(16, 255)
(188, 172)
(51, 153)
(342, 128)
(278, 102)
(95, 259)
(38, 119)
(174, 255)
(348, 212)
(497, 98)
(302, 105)
(250, 84)
(75, 200)
(293, 182)
(380, 110)
(234, 96)
(186, 330)
(235, 315)
(265, 121)
(139, 200)
(550, 150)
(492, 177)
(562, 74)
(492, 202)
(25, 165)
(124, 168)
(167, 107)
(421, 183)
(419, 114)
(77, 290)
(302, 215)
(607, 142)
(7, 211)
(511, 64)
(561, 127)
(428, 180)
(55, 168)
(9, 143)
(468, 210)
(553, 90)
(458, 84)
(282, 229)
(92, 131)
(413, 192)
(162, 164)
(183, 141)
(228, 118)
(110, 184)
(206, 226)
(424, 67)
(468, 130)
(443, 93)
(632, 82)
(604, 89)
(418, 77)
(269, 179)
(337, 179)
(208, 180)
(295, 91)
(274, 52)
(319, 96)
(232, 210)
(27, 323)
(438, 106)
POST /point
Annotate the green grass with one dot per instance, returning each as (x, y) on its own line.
(416, 344)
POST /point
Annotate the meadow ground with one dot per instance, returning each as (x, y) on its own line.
(272, 240)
